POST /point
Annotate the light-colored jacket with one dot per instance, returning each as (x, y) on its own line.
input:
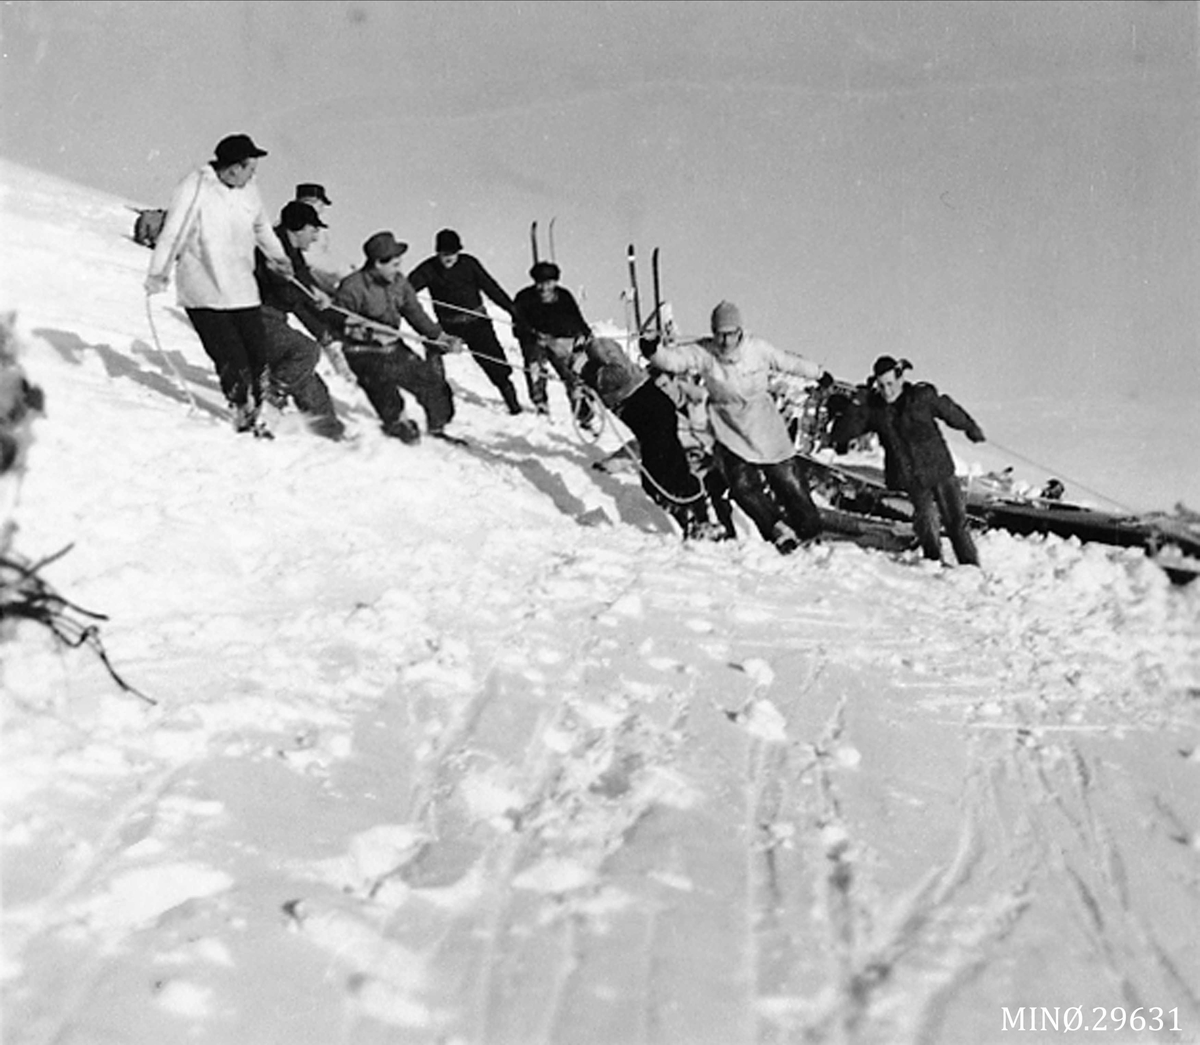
(211, 232)
(743, 414)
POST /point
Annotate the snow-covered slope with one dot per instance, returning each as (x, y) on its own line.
(463, 745)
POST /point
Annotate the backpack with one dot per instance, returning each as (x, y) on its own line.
(148, 225)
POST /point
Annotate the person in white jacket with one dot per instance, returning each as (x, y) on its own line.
(214, 222)
(753, 447)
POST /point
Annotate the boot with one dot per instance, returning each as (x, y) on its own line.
(510, 398)
(784, 538)
(402, 428)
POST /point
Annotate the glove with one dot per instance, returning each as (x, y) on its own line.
(156, 284)
(451, 343)
(976, 434)
(825, 380)
(648, 345)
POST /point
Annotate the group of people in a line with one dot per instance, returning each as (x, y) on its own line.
(240, 279)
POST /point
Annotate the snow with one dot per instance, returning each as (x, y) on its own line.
(463, 745)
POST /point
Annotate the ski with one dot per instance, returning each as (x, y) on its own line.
(553, 252)
(658, 305)
(633, 290)
(533, 242)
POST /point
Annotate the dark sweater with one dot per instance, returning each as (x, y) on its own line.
(558, 318)
(463, 285)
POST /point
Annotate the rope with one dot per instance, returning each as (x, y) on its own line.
(192, 405)
(624, 448)
(185, 227)
(472, 312)
(1067, 478)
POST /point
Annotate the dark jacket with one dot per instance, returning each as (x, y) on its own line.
(365, 294)
(284, 297)
(463, 284)
(915, 452)
(560, 318)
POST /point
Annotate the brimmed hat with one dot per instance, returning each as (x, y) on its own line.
(447, 242)
(383, 246)
(297, 216)
(726, 316)
(312, 191)
(236, 149)
(886, 364)
(543, 271)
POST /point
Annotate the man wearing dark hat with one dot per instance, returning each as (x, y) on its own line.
(916, 458)
(214, 223)
(457, 282)
(548, 322)
(292, 357)
(314, 195)
(380, 360)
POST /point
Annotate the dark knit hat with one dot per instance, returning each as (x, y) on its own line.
(383, 246)
(296, 216)
(543, 271)
(447, 242)
(726, 316)
(235, 149)
(312, 191)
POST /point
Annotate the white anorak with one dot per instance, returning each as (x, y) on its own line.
(744, 417)
(211, 231)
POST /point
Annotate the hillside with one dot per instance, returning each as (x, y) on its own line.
(464, 745)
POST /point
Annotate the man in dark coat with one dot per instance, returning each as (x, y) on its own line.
(290, 356)
(457, 282)
(380, 360)
(548, 323)
(916, 458)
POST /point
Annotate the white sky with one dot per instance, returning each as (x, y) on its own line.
(1005, 193)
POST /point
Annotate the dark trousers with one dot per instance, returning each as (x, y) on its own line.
(235, 340)
(382, 374)
(937, 504)
(538, 361)
(487, 351)
(291, 367)
(771, 493)
(650, 415)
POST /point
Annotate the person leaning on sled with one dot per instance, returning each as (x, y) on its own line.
(291, 356)
(752, 444)
(457, 282)
(548, 324)
(380, 360)
(214, 222)
(916, 459)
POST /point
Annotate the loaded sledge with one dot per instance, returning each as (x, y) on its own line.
(994, 501)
